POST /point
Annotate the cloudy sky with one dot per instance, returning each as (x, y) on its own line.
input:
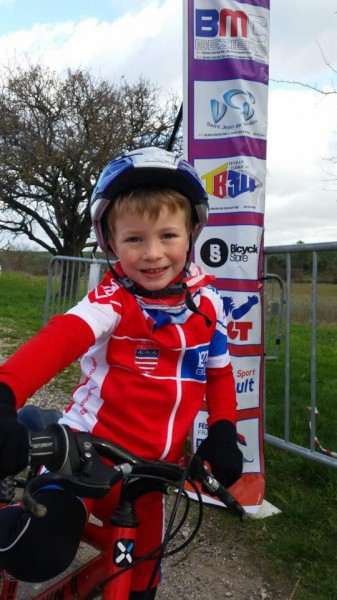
(130, 38)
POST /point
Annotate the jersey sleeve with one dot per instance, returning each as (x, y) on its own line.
(62, 341)
(101, 309)
(220, 387)
(221, 395)
(37, 361)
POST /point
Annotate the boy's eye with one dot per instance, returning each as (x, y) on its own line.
(168, 236)
(133, 239)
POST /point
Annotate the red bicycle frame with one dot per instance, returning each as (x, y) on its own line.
(109, 573)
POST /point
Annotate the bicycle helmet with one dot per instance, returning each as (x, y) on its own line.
(146, 167)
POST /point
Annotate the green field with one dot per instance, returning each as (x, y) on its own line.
(22, 304)
(303, 536)
(298, 546)
(302, 356)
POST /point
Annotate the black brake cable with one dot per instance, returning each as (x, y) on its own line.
(167, 538)
(168, 531)
(196, 527)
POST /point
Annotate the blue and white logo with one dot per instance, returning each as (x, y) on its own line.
(239, 100)
(123, 552)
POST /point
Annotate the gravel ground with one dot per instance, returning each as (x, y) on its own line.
(219, 566)
(215, 567)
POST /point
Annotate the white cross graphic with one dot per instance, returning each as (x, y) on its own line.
(125, 554)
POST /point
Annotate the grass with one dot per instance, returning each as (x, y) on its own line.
(21, 304)
(22, 301)
(301, 540)
(296, 547)
(300, 363)
(300, 386)
(301, 302)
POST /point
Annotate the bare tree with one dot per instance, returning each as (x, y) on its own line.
(56, 135)
(330, 182)
(314, 87)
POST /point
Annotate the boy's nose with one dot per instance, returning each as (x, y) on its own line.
(152, 249)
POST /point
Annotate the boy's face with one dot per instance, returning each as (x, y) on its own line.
(151, 252)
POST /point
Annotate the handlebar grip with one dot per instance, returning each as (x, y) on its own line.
(232, 504)
(86, 487)
(213, 487)
(200, 472)
(50, 447)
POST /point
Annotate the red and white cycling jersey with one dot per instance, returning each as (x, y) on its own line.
(145, 367)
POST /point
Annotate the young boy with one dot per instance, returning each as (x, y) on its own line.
(152, 337)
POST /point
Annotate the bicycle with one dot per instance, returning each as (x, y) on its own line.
(99, 465)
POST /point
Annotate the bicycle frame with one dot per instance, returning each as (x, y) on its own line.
(108, 574)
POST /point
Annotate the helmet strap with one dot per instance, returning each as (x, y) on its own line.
(192, 306)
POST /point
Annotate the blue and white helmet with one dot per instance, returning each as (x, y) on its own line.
(147, 167)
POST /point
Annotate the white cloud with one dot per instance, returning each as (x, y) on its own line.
(146, 40)
(300, 32)
(301, 138)
(147, 43)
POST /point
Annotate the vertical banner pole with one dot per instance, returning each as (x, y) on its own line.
(226, 45)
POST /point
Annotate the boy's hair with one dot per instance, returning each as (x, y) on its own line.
(149, 201)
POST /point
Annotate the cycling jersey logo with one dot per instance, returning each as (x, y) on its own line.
(123, 552)
(224, 182)
(103, 293)
(201, 368)
(194, 363)
(236, 99)
(146, 357)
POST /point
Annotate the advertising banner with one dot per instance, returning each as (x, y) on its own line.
(226, 45)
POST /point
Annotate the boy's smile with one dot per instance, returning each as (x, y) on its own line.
(152, 252)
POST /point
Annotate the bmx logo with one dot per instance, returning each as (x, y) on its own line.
(123, 552)
(226, 23)
(236, 99)
(231, 33)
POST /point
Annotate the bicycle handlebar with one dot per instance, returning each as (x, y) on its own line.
(74, 460)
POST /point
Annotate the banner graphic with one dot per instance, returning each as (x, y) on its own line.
(226, 46)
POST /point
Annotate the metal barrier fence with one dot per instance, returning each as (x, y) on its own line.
(286, 256)
(69, 279)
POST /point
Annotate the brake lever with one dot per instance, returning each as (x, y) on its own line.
(213, 487)
(93, 479)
